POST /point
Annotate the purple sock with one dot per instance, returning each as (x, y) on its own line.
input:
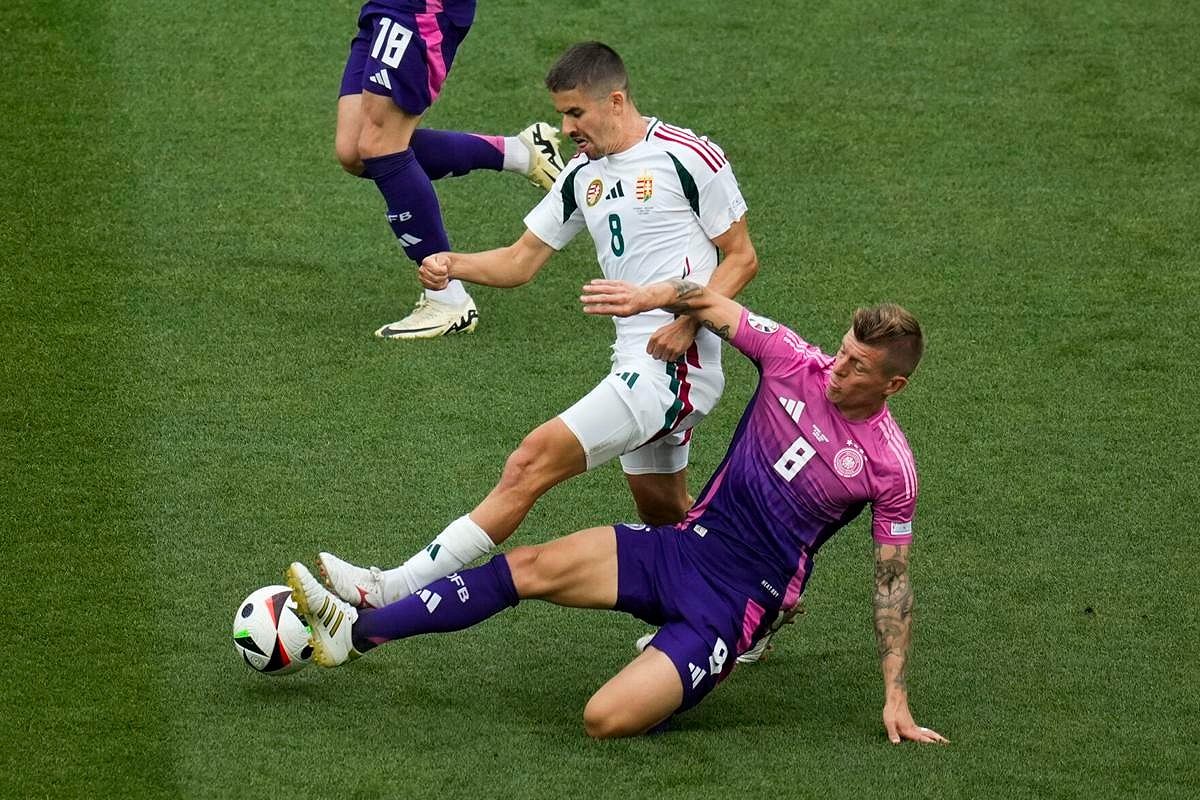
(412, 204)
(455, 602)
(443, 153)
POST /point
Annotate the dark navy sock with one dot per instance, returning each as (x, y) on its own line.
(412, 204)
(443, 153)
(455, 602)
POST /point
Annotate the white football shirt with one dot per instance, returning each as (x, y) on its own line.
(652, 211)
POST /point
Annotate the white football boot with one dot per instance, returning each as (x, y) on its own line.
(359, 586)
(430, 319)
(545, 162)
(330, 620)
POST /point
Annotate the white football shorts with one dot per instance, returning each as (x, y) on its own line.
(644, 412)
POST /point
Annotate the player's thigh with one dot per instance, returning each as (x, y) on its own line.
(579, 570)
(609, 420)
(643, 694)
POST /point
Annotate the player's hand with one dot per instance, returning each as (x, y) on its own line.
(898, 721)
(671, 341)
(434, 272)
(614, 298)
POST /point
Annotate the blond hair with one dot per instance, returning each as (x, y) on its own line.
(894, 329)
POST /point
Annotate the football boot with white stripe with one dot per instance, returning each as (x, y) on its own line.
(431, 318)
(330, 620)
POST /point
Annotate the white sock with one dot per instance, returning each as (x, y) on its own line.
(516, 156)
(458, 545)
(455, 294)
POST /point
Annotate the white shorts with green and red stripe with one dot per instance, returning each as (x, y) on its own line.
(644, 412)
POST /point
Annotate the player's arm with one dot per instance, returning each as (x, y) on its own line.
(739, 265)
(893, 637)
(714, 311)
(504, 267)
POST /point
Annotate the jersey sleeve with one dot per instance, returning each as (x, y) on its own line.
(557, 218)
(777, 349)
(721, 202)
(892, 511)
(705, 177)
(892, 518)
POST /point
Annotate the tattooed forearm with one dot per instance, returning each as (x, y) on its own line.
(685, 291)
(722, 331)
(893, 612)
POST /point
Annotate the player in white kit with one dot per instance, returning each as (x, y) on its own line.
(659, 203)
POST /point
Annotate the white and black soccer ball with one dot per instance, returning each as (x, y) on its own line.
(269, 634)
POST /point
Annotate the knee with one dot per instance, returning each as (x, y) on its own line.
(533, 574)
(603, 721)
(523, 565)
(527, 468)
(345, 148)
(350, 161)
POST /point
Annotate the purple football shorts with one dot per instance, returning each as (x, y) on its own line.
(404, 54)
(706, 617)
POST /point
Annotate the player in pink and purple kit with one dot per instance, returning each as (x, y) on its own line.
(397, 65)
(815, 446)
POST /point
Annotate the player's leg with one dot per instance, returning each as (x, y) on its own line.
(595, 430)
(534, 153)
(414, 214)
(546, 457)
(349, 128)
(661, 497)
(579, 570)
(639, 697)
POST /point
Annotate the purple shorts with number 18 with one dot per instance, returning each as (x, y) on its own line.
(404, 50)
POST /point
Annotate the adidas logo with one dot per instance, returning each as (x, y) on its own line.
(697, 674)
(331, 617)
(792, 407)
(408, 240)
(430, 599)
(382, 79)
(615, 192)
(433, 551)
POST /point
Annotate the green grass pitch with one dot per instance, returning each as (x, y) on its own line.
(190, 397)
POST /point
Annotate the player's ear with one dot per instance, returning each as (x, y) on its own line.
(895, 384)
(617, 100)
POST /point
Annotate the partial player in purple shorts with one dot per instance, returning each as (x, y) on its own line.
(704, 621)
(816, 445)
(398, 63)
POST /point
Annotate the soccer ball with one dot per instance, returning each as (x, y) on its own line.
(269, 634)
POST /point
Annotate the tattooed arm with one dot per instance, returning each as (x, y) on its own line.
(738, 266)
(617, 298)
(893, 638)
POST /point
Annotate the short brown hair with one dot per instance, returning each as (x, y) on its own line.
(894, 329)
(593, 67)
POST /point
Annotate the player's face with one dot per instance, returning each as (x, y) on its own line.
(592, 122)
(860, 382)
